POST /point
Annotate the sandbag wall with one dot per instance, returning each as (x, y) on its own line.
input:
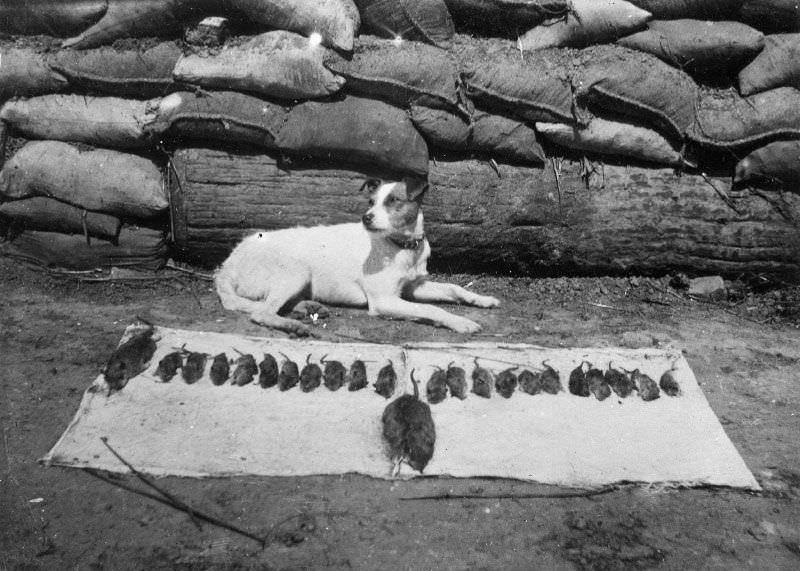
(687, 111)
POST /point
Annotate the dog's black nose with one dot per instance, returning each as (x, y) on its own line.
(367, 218)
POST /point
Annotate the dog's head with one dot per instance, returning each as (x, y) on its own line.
(394, 206)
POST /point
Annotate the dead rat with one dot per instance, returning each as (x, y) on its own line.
(551, 381)
(597, 383)
(310, 376)
(647, 387)
(506, 382)
(245, 370)
(289, 375)
(436, 389)
(387, 381)
(668, 383)
(577, 382)
(168, 366)
(409, 431)
(620, 382)
(357, 377)
(220, 369)
(456, 379)
(530, 382)
(482, 381)
(268, 372)
(194, 366)
(333, 376)
(129, 359)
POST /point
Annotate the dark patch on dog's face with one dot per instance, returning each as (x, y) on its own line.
(402, 210)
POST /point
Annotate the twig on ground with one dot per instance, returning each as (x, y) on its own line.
(170, 500)
(201, 275)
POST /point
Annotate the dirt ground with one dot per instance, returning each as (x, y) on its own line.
(57, 332)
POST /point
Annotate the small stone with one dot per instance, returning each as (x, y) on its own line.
(210, 32)
(708, 286)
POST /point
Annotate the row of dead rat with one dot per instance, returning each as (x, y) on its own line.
(408, 429)
(133, 356)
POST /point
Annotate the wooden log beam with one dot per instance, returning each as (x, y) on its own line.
(540, 221)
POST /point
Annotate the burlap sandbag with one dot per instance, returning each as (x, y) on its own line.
(416, 20)
(778, 65)
(490, 135)
(140, 18)
(699, 9)
(727, 120)
(100, 121)
(336, 21)
(638, 85)
(275, 64)
(613, 139)
(51, 17)
(141, 73)
(504, 16)
(776, 165)
(534, 88)
(40, 213)
(24, 73)
(588, 22)
(355, 131)
(135, 247)
(400, 73)
(699, 47)
(226, 117)
(107, 181)
(771, 16)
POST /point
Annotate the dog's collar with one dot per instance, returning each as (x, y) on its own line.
(407, 243)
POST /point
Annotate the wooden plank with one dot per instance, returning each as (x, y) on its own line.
(525, 220)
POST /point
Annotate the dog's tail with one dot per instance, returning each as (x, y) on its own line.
(228, 295)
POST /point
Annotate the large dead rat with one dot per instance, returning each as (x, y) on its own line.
(387, 381)
(647, 387)
(456, 379)
(129, 359)
(409, 431)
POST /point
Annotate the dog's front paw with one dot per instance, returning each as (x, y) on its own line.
(464, 325)
(485, 301)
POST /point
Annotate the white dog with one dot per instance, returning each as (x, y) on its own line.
(376, 263)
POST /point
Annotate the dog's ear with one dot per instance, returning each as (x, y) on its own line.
(371, 185)
(415, 187)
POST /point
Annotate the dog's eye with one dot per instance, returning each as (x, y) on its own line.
(371, 202)
(390, 200)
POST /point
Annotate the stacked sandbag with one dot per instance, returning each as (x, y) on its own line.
(683, 84)
(83, 208)
(276, 64)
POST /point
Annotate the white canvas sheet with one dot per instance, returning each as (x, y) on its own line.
(203, 430)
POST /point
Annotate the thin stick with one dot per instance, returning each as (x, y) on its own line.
(147, 482)
(557, 495)
(180, 507)
(172, 266)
